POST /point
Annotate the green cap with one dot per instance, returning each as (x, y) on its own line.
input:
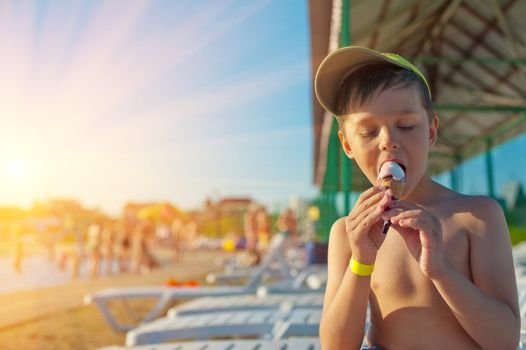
(338, 64)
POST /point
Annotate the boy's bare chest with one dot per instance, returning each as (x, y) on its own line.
(403, 298)
(398, 278)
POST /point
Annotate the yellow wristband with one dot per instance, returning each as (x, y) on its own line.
(360, 269)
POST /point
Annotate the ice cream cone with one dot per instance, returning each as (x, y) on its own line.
(397, 186)
(392, 176)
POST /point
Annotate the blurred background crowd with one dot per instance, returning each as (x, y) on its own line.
(86, 243)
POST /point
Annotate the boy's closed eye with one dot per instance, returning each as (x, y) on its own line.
(367, 133)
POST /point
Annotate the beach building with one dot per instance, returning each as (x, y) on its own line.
(223, 216)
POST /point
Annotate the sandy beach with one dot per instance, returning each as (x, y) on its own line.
(56, 318)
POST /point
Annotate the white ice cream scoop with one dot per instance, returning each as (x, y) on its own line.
(393, 170)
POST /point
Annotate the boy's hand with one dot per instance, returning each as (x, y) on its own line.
(422, 233)
(364, 224)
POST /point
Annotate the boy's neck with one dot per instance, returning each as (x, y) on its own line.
(427, 192)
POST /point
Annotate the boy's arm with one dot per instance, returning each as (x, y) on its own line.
(487, 308)
(345, 305)
(346, 296)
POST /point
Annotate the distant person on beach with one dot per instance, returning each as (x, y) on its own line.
(17, 255)
(143, 236)
(176, 236)
(107, 246)
(93, 246)
(288, 224)
(251, 234)
(78, 254)
(124, 233)
(264, 228)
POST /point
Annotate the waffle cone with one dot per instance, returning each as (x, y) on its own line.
(396, 186)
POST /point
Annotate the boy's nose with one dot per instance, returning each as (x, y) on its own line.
(388, 142)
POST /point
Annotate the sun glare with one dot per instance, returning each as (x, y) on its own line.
(16, 169)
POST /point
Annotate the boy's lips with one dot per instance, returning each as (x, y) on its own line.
(397, 161)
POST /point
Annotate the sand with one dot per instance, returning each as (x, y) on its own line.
(56, 318)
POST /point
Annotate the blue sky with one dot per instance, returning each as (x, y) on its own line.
(508, 164)
(115, 101)
(165, 100)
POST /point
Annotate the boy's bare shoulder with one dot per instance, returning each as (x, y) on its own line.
(338, 235)
(338, 230)
(474, 211)
(472, 203)
(339, 225)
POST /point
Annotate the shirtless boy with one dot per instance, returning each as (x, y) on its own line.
(442, 276)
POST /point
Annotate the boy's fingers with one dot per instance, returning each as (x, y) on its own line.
(388, 214)
(366, 218)
(402, 205)
(405, 214)
(371, 202)
(371, 192)
(412, 212)
(417, 219)
(416, 224)
(361, 214)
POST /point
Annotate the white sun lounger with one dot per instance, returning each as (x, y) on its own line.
(274, 264)
(249, 302)
(304, 343)
(268, 324)
(167, 295)
(311, 279)
(163, 295)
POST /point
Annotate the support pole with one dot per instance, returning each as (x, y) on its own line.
(346, 174)
(489, 167)
(454, 174)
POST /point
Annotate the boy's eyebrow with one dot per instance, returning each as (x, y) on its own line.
(408, 111)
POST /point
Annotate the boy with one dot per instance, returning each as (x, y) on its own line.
(442, 276)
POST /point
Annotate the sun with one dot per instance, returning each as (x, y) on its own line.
(16, 169)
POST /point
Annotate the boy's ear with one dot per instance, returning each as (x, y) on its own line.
(345, 145)
(433, 130)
